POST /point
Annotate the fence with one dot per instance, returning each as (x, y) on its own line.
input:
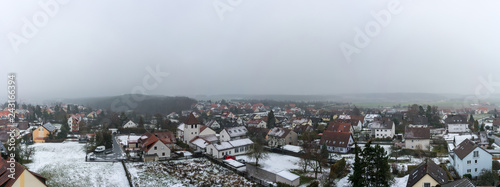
(243, 174)
(129, 178)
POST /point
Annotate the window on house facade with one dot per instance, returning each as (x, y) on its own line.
(468, 161)
(427, 184)
(236, 150)
(476, 153)
(155, 148)
(163, 154)
(475, 161)
(469, 170)
(475, 170)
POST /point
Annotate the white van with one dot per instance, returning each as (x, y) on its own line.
(100, 149)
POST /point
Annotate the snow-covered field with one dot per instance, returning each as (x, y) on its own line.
(190, 172)
(64, 165)
(275, 162)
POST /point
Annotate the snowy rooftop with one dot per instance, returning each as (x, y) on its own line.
(461, 138)
(181, 127)
(223, 145)
(241, 142)
(236, 131)
(278, 132)
(234, 163)
(200, 143)
(287, 175)
(232, 144)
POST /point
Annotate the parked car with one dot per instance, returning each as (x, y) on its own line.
(91, 156)
(241, 160)
(100, 149)
(229, 157)
(108, 152)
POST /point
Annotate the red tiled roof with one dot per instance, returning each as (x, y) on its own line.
(339, 127)
(149, 143)
(336, 139)
(5, 180)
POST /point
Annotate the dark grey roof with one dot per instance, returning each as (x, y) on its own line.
(456, 119)
(417, 133)
(49, 127)
(464, 182)
(427, 167)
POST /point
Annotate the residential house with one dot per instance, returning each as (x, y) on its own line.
(357, 122)
(20, 177)
(300, 129)
(199, 143)
(259, 123)
(154, 148)
(370, 118)
(427, 174)
(278, 137)
(233, 133)
(213, 124)
(74, 122)
(382, 129)
(300, 121)
(417, 138)
(43, 132)
(340, 127)
(129, 124)
(234, 147)
(457, 124)
(339, 142)
(481, 110)
(469, 158)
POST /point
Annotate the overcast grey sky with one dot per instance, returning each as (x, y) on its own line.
(103, 48)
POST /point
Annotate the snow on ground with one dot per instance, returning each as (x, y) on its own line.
(190, 172)
(398, 182)
(292, 148)
(64, 165)
(276, 162)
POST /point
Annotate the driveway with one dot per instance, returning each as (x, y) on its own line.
(116, 154)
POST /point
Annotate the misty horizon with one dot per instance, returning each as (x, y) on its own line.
(250, 48)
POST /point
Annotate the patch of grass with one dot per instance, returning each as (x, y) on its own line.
(303, 178)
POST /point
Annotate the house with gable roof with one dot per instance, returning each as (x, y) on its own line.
(428, 174)
(233, 147)
(469, 158)
(278, 137)
(21, 177)
(382, 129)
(156, 146)
(233, 133)
(74, 122)
(339, 142)
(340, 127)
(417, 138)
(129, 124)
(43, 132)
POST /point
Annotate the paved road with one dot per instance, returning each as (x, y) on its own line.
(116, 155)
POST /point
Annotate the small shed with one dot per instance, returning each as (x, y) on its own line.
(287, 178)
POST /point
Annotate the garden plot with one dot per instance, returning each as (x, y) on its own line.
(63, 164)
(190, 172)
